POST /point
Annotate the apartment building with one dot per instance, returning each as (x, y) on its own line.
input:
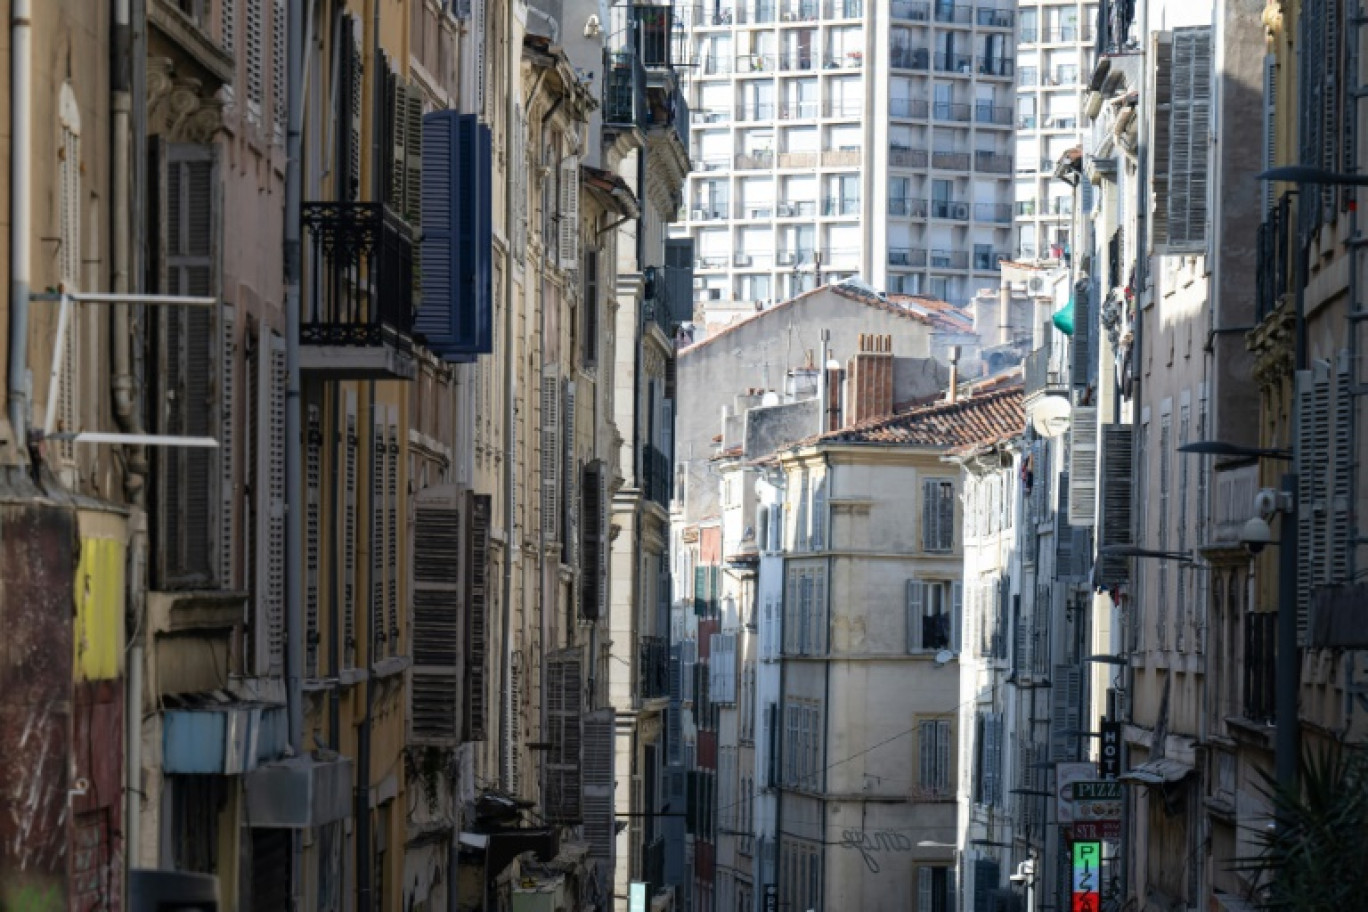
(1055, 47)
(840, 138)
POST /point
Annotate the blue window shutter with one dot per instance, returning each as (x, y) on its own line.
(455, 318)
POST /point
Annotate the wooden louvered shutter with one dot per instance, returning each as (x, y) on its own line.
(313, 530)
(375, 544)
(255, 22)
(350, 445)
(1116, 499)
(992, 759)
(1341, 530)
(520, 172)
(925, 890)
(476, 695)
(413, 155)
(598, 778)
(916, 611)
(396, 145)
(435, 555)
(1083, 467)
(1082, 350)
(570, 487)
(352, 76)
(1270, 126)
(392, 460)
(569, 213)
(956, 615)
(511, 728)
(1065, 712)
(1189, 139)
(551, 456)
(191, 345)
(1313, 506)
(590, 516)
(227, 450)
(589, 342)
(270, 497)
(278, 73)
(1161, 130)
(564, 706)
(934, 745)
(987, 874)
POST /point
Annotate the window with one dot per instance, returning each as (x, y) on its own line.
(938, 514)
(805, 608)
(988, 759)
(935, 889)
(802, 745)
(933, 615)
(254, 18)
(934, 761)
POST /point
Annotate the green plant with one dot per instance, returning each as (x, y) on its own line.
(1315, 857)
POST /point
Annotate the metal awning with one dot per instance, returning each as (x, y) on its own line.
(1158, 772)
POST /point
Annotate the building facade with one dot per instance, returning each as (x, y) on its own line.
(845, 138)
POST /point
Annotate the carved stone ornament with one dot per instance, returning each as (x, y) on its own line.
(1272, 20)
(178, 109)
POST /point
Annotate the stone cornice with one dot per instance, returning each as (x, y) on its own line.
(178, 109)
(1273, 343)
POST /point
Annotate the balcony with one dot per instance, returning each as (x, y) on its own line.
(800, 257)
(904, 58)
(906, 256)
(754, 161)
(988, 261)
(1271, 263)
(844, 9)
(798, 160)
(705, 213)
(358, 315)
(994, 18)
(755, 63)
(954, 63)
(851, 60)
(653, 667)
(945, 110)
(798, 209)
(1061, 205)
(841, 158)
(711, 262)
(1041, 377)
(655, 464)
(954, 14)
(1259, 666)
(716, 66)
(908, 108)
(949, 259)
(992, 163)
(996, 66)
(1026, 123)
(624, 92)
(906, 158)
(1060, 34)
(993, 212)
(996, 115)
(1027, 76)
(911, 10)
(800, 11)
(755, 112)
(797, 62)
(1026, 207)
(798, 110)
(1028, 35)
(843, 109)
(950, 161)
(840, 205)
(950, 209)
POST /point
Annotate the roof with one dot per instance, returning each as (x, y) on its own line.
(916, 308)
(985, 418)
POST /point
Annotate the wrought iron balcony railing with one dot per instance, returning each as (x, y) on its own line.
(653, 667)
(361, 282)
(624, 91)
(655, 470)
(1272, 258)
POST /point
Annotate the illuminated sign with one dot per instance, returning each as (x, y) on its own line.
(636, 897)
(1087, 879)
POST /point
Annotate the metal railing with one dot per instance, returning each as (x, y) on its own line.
(945, 110)
(992, 163)
(1040, 377)
(844, 9)
(1027, 76)
(805, 209)
(843, 109)
(798, 110)
(987, 262)
(998, 115)
(755, 63)
(953, 13)
(755, 112)
(797, 61)
(954, 63)
(993, 212)
(907, 158)
(950, 209)
(840, 205)
(906, 256)
(949, 259)
(362, 286)
(653, 667)
(913, 108)
(911, 10)
(624, 90)
(716, 66)
(907, 206)
(800, 11)
(996, 66)
(994, 18)
(1272, 262)
(950, 161)
(905, 58)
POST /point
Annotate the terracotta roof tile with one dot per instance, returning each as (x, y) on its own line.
(984, 418)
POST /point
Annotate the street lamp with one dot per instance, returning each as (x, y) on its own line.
(1136, 551)
(1221, 448)
(1305, 174)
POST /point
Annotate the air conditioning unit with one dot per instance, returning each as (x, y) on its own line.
(785, 209)
(1036, 284)
(714, 294)
(697, 215)
(743, 259)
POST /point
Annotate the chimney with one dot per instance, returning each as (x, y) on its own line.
(871, 379)
(833, 420)
(952, 391)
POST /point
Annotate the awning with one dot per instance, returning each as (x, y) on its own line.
(216, 733)
(1157, 772)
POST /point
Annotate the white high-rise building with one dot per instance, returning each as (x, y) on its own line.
(1054, 53)
(836, 138)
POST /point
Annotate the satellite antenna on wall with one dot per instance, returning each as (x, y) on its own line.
(1036, 283)
(944, 657)
(1051, 416)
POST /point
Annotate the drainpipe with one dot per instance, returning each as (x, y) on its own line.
(952, 390)
(510, 408)
(21, 63)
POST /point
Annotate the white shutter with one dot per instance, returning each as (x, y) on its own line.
(1066, 712)
(551, 456)
(392, 460)
(916, 612)
(350, 445)
(1270, 126)
(925, 889)
(413, 154)
(1190, 125)
(228, 25)
(1161, 129)
(1083, 466)
(512, 729)
(956, 616)
(520, 173)
(569, 212)
(1341, 527)
(475, 704)
(313, 528)
(270, 495)
(597, 734)
(563, 711)
(398, 151)
(356, 90)
(1313, 452)
(435, 561)
(569, 476)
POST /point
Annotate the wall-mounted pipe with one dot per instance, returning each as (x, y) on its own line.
(21, 129)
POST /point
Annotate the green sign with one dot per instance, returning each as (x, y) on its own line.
(1097, 790)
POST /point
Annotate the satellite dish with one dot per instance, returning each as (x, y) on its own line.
(1036, 283)
(1051, 416)
(944, 657)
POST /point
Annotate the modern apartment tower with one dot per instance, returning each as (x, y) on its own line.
(1054, 57)
(834, 138)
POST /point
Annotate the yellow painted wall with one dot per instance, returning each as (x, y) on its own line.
(98, 640)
